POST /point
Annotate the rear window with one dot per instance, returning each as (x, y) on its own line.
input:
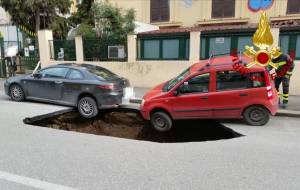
(100, 72)
(257, 80)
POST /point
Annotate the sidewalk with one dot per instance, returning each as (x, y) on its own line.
(293, 109)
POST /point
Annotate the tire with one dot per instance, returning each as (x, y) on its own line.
(256, 116)
(161, 121)
(87, 107)
(16, 93)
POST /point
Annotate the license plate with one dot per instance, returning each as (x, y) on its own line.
(128, 93)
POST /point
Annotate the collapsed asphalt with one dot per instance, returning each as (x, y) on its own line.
(124, 123)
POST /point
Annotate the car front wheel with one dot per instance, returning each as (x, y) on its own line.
(16, 93)
(256, 116)
(87, 107)
(161, 121)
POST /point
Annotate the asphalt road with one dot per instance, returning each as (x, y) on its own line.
(42, 158)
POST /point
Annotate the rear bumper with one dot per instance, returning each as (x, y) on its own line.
(109, 100)
(273, 108)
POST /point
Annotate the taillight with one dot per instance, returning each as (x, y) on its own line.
(269, 86)
(106, 87)
(269, 91)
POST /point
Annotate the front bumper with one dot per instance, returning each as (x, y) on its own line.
(6, 88)
(144, 112)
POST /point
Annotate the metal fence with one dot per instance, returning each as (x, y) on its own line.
(62, 50)
(25, 66)
(97, 49)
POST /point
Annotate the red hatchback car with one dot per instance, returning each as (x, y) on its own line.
(212, 89)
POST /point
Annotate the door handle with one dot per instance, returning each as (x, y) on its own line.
(58, 82)
(243, 94)
(204, 98)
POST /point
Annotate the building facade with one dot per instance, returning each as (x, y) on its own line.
(191, 30)
(224, 25)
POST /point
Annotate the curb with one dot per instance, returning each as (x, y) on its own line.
(288, 113)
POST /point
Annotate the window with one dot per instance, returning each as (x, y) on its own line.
(223, 8)
(164, 48)
(203, 48)
(58, 72)
(75, 75)
(298, 47)
(243, 41)
(100, 72)
(198, 84)
(223, 43)
(159, 10)
(230, 80)
(284, 44)
(293, 6)
(290, 42)
(151, 49)
(257, 80)
(170, 49)
(169, 85)
(219, 45)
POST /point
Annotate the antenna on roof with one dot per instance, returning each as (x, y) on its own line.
(210, 58)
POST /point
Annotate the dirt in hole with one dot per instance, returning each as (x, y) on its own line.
(128, 124)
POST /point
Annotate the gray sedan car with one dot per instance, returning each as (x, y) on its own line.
(84, 86)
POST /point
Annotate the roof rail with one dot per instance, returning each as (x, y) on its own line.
(214, 55)
(240, 54)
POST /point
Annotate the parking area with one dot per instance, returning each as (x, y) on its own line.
(264, 158)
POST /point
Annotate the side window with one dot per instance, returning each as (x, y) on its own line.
(56, 72)
(75, 75)
(257, 80)
(198, 84)
(231, 80)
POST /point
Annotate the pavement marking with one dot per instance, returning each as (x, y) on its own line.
(32, 182)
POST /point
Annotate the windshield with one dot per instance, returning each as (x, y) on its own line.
(101, 73)
(176, 80)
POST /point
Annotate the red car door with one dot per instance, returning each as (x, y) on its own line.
(192, 100)
(230, 95)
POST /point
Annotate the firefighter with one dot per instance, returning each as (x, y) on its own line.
(285, 67)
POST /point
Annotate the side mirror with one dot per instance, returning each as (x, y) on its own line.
(37, 75)
(176, 92)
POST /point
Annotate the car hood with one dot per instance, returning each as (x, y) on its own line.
(154, 92)
(17, 78)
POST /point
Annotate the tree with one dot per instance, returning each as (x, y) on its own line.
(112, 22)
(83, 14)
(35, 14)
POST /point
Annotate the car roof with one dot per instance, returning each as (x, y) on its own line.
(222, 63)
(74, 66)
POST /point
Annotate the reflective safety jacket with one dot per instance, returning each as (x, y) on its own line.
(285, 65)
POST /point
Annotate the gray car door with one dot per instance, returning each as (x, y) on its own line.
(73, 86)
(49, 85)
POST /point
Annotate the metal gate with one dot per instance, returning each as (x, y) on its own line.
(29, 56)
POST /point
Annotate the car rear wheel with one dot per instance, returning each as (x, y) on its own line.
(16, 93)
(87, 107)
(161, 121)
(256, 116)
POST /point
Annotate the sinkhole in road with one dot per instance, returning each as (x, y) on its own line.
(129, 124)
